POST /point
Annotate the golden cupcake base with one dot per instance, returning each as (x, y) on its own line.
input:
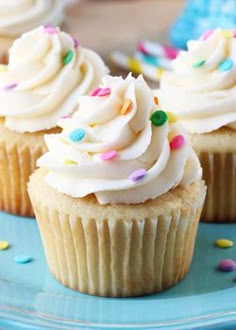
(217, 154)
(117, 250)
(18, 155)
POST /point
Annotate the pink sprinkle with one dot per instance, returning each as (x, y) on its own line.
(109, 155)
(206, 35)
(234, 33)
(50, 29)
(138, 175)
(104, 91)
(95, 91)
(177, 142)
(10, 86)
(141, 48)
(170, 52)
(66, 117)
(76, 42)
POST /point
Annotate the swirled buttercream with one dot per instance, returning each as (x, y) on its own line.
(201, 90)
(47, 71)
(119, 146)
(19, 16)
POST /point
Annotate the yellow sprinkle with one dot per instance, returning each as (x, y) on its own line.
(227, 33)
(170, 136)
(3, 68)
(224, 243)
(4, 245)
(126, 107)
(134, 65)
(91, 125)
(171, 117)
(159, 72)
(69, 162)
(156, 101)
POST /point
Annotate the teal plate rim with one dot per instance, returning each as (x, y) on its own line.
(31, 298)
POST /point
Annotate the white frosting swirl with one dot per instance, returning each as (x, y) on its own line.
(19, 16)
(139, 145)
(204, 96)
(46, 87)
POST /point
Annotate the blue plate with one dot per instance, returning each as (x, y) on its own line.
(30, 298)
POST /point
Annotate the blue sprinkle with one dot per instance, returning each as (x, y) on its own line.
(151, 60)
(226, 65)
(77, 135)
(22, 259)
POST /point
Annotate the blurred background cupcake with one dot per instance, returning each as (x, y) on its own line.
(17, 17)
(47, 71)
(201, 91)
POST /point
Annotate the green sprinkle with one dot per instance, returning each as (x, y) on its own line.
(68, 57)
(69, 162)
(198, 64)
(158, 118)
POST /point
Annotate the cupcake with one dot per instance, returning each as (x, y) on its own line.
(118, 195)
(17, 17)
(47, 71)
(201, 91)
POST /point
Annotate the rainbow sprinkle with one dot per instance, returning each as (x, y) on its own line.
(69, 162)
(227, 33)
(50, 29)
(4, 245)
(171, 117)
(156, 100)
(77, 135)
(198, 64)
(134, 65)
(95, 91)
(22, 259)
(138, 175)
(10, 86)
(104, 91)
(177, 142)
(76, 42)
(226, 65)
(68, 57)
(126, 107)
(109, 155)
(206, 35)
(66, 117)
(158, 118)
(224, 243)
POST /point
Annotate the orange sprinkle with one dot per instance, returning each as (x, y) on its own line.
(126, 107)
(156, 100)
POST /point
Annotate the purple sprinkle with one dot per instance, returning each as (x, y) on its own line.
(76, 42)
(137, 175)
(10, 86)
(227, 265)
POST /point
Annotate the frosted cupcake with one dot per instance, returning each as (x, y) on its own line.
(119, 194)
(202, 92)
(47, 71)
(17, 17)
